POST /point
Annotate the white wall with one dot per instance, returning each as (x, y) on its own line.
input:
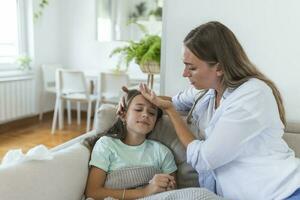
(78, 32)
(66, 34)
(44, 43)
(268, 30)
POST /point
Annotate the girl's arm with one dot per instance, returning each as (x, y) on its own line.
(95, 186)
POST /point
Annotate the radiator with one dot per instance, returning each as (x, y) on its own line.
(17, 98)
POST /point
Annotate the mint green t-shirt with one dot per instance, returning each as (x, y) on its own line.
(110, 154)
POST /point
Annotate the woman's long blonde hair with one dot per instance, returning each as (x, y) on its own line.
(214, 43)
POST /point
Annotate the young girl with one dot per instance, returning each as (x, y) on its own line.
(125, 145)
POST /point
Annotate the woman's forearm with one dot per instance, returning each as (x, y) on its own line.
(182, 131)
(166, 98)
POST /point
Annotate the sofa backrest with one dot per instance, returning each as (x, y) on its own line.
(292, 136)
(165, 133)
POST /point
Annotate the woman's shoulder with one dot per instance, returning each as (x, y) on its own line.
(253, 88)
(255, 84)
(252, 95)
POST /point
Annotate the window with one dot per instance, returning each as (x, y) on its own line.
(11, 44)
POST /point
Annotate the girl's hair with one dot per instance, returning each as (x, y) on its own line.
(214, 43)
(118, 129)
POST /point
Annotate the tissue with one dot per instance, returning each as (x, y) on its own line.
(39, 152)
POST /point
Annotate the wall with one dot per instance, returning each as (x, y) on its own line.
(268, 30)
(44, 43)
(78, 31)
(66, 34)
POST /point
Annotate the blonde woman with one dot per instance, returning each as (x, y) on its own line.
(241, 115)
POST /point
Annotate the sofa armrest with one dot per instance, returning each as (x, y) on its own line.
(63, 177)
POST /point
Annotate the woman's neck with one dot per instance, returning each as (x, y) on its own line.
(218, 94)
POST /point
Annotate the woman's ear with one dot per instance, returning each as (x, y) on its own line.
(219, 70)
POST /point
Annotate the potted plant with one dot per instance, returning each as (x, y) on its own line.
(24, 63)
(146, 53)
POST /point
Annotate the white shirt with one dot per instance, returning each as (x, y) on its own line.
(243, 147)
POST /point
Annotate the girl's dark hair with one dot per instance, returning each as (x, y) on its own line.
(118, 129)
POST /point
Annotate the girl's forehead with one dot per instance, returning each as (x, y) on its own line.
(140, 100)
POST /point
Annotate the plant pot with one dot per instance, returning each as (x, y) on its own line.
(150, 68)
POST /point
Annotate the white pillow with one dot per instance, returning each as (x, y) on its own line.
(62, 178)
(105, 117)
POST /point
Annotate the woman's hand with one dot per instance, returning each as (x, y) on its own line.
(151, 96)
(121, 105)
(160, 183)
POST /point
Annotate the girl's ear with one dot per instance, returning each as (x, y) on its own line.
(122, 116)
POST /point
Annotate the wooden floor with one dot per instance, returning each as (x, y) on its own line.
(28, 133)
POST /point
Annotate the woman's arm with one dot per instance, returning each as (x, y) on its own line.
(96, 179)
(184, 134)
(167, 98)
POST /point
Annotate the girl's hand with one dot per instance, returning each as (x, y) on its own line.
(151, 96)
(160, 183)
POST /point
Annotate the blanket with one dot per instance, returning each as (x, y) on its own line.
(130, 177)
(133, 177)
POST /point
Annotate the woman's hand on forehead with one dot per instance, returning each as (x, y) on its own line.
(151, 96)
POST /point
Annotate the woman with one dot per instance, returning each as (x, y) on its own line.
(241, 115)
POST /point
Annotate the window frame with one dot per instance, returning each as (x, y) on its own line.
(22, 35)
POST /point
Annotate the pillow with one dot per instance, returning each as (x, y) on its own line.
(164, 132)
(63, 177)
(105, 117)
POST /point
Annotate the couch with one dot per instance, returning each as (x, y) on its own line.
(64, 177)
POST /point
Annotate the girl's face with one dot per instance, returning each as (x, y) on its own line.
(140, 116)
(199, 73)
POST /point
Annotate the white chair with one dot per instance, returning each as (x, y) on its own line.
(109, 88)
(49, 86)
(72, 86)
(48, 76)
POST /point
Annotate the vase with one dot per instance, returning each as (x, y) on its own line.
(150, 68)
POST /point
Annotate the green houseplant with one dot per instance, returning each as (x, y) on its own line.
(24, 62)
(145, 53)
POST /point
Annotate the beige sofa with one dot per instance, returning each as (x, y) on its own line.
(64, 177)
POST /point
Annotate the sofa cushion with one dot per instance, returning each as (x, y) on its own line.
(164, 133)
(63, 177)
(293, 140)
(292, 136)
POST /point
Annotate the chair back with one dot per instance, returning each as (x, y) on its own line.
(71, 82)
(48, 74)
(110, 85)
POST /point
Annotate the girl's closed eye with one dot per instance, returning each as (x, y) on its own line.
(138, 109)
(152, 113)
